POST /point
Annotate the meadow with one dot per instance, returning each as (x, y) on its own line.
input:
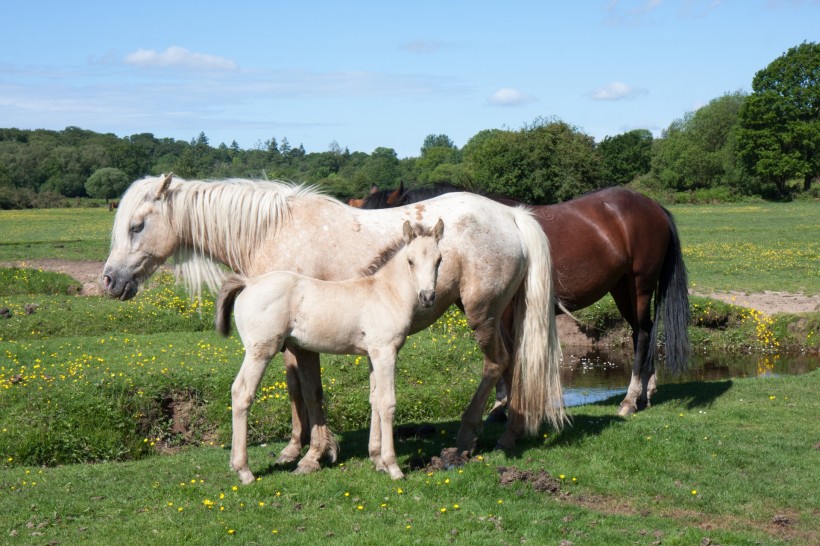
(115, 418)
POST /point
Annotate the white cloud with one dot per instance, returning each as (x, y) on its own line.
(617, 91)
(180, 57)
(510, 97)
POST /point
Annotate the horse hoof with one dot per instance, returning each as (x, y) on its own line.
(498, 416)
(626, 409)
(283, 459)
(306, 468)
(395, 473)
(246, 477)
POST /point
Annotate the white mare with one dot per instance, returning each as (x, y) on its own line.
(495, 260)
(365, 316)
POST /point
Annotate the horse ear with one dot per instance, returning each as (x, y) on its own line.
(409, 234)
(395, 195)
(166, 183)
(438, 231)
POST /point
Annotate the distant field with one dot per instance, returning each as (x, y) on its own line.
(70, 234)
(751, 247)
(747, 247)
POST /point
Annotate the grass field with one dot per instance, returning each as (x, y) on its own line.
(752, 247)
(91, 380)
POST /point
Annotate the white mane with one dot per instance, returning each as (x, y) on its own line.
(235, 215)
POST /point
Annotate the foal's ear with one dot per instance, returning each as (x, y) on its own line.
(166, 183)
(409, 234)
(438, 231)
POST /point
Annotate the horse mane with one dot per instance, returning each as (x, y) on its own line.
(236, 215)
(389, 252)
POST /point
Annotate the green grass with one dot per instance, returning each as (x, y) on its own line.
(751, 247)
(70, 234)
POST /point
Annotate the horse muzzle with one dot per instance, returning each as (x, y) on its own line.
(427, 298)
(118, 286)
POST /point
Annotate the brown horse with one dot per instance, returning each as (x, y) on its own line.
(615, 241)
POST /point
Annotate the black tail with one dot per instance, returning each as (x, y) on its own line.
(231, 288)
(673, 297)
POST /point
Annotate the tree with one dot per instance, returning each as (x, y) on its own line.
(626, 156)
(546, 162)
(106, 183)
(699, 151)
(779, 137)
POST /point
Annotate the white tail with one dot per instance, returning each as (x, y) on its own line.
(536, 388)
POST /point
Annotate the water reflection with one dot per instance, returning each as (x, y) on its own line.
(591, 376)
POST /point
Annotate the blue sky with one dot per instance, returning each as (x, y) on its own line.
(368, 74)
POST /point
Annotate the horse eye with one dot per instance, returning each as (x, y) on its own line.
(136, 228)
(411, 262)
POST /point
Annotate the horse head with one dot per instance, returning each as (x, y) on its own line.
(423, 258)
(141, 239)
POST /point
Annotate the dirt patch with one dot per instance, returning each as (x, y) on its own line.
(449, 458)
(541, 481)
(88, 273)
(770, 302)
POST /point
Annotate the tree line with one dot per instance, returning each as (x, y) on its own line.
(766, 144)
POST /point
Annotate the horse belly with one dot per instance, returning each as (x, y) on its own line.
(322, 332)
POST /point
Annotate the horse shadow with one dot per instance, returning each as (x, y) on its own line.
(419, 446)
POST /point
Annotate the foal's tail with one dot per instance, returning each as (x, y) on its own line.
(231, 288)
(536, 379)
(672, 297)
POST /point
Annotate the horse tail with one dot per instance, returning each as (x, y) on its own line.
(672, 299)
(537, 353)
(231, 288)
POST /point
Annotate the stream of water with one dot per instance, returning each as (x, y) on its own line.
(589, 377)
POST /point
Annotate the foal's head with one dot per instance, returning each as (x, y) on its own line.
(423, 258)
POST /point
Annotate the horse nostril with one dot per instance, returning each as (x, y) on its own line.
(106, 281)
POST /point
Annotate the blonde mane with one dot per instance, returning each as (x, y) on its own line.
(234, 215)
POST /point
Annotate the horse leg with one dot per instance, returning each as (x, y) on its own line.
(322, 443)
(243, 391)
(496, 358)
(498, 413)
(640, 318)
(300, 431)
(384, 402)
(374, 445)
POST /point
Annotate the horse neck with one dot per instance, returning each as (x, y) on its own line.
(396, 277)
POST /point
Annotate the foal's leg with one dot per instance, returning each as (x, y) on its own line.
(300, 432)
(243, 391)
(374, 445)
(384, 371)
(322, 443)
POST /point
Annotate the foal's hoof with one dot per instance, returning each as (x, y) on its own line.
(246, 477)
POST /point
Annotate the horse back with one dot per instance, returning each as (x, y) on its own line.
(597, 239)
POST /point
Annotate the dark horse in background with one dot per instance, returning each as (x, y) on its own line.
(612, 240)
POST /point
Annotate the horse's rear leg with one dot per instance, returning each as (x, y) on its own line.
(243, 391)
(300, 432)
(496, 359)
(638, 314)
(322, 443)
